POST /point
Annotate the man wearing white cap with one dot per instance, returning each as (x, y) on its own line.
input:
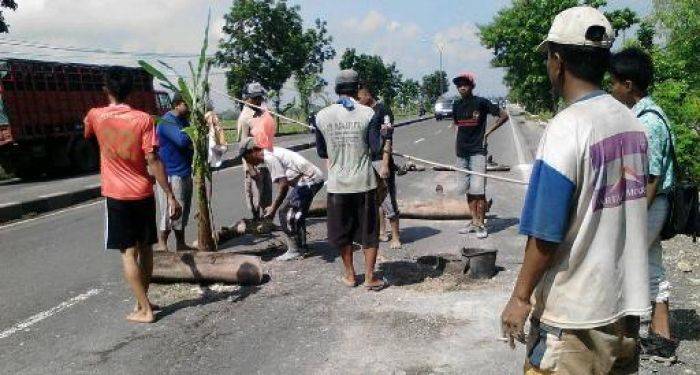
(585, 265)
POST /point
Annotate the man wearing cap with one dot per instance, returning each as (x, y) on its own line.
(288, 170)
(469, 114)
(348, 138)
(584, 276)
(255, 121)
(176, 153)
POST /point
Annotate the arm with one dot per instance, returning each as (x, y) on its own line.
(321, 148)
(174, 135)
(652, 186)
(538, 259)
(87, 123)
(373, 137)
(502, 118)
(158, 171)
(282, 189)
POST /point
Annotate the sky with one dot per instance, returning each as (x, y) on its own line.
(407, 32)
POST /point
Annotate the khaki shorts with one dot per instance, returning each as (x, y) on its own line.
(611, 349)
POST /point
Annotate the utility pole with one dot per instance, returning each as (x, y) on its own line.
(440, 48)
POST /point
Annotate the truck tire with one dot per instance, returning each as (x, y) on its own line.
(85, 156)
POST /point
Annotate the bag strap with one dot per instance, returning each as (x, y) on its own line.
(676, 167)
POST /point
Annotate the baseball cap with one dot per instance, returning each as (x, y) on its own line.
(580, 26)
(469, 76)
(246, 145)
(255, 90)
(347, 76)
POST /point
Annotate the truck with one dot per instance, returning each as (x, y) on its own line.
(42, 107)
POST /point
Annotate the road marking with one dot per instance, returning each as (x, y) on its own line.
(21, 326)
(53, 194)
(419, 140)
(8, 204)
(7, 226)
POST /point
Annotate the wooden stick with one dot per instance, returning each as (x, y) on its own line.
(261, 108)
(505, 179)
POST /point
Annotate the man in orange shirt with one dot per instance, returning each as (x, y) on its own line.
(128, 148)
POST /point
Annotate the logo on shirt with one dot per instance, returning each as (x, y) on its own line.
(619, 167)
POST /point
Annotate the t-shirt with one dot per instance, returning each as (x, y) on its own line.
(660, 159)
(469, 115)
(587, 194)
(347, 137)
(125, 137)
(175, 146)
(263, 129)
(286, 163)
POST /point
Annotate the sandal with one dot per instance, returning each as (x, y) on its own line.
(377, 287)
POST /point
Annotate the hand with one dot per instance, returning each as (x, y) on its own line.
(513, 320)
(384, 171)
(174, 208)
(269, 212)
(386, 130)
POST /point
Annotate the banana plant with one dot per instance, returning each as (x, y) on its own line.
(195, 92)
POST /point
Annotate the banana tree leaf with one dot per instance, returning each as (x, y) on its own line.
(205, 45)
(185, 91)
(157, 74)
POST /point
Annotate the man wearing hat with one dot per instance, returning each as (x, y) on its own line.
(348, 138)
(584, 276)
(469, 114)
(298, 181)
(176, 153)
(258, 123)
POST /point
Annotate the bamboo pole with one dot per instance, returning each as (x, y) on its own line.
(499, 178)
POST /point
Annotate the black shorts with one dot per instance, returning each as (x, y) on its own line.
(353, 217)
(129, 223)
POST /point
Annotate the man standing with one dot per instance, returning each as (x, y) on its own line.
(632, 72)
(348, 138)
(469, 114)
(175, 151)
(288, 169)
(585, 263)
(127, 150)
(385, 167)
(259, 124)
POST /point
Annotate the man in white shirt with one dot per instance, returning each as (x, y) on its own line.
(287, 169)
(585, 264)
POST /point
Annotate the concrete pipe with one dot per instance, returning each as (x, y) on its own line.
(200, 266)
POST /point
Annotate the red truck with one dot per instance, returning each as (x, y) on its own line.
(42, 106)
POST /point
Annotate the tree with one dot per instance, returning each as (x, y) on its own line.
(381, 79)
(516, 31)
(308, 85)
(195, 93)
(434, 85)
(265, 41)
(645, 34)
(9, 4)
(409, 94)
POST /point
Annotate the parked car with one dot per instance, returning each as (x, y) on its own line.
(42, 106)
(443, 108)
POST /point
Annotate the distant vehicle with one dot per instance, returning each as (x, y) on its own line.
(443, 107)
(42, 106)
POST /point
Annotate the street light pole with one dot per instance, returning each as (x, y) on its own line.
(440, 48)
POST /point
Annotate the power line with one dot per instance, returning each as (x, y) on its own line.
(30, 44)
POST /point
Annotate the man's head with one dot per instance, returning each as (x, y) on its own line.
(347, 83)
(250, 151)
(255, 93)
(632, 73)
(366, 96)
(578, 48)
(465, 83)
(180, 107)
(118, 84)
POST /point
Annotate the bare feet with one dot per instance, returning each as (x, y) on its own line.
(383, 237)
(395, 244)
(141, 316)
(154, 307)
(161, 247)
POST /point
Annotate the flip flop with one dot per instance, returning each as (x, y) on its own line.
(376, 288)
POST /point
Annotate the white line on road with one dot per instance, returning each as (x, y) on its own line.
(48, 313)
(53, 194)
(7, 226)
(419, 140)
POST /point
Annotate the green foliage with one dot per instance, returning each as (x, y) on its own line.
(434, 85)
(409, 95)
(308, 85)
(265, 41)
(10, 4)
(516, 31)
(645, 34)
(383, 80)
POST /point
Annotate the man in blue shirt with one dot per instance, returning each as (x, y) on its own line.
(175, 151)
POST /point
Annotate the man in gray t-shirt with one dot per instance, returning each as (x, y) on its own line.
(348, 137)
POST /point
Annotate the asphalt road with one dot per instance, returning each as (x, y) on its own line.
(62, 298)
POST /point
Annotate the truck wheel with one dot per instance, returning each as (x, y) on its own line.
(84, 156)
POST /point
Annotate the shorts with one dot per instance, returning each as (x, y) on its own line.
(603, 350)
(390, 205)
(473, 184)
(659, 286)
(258, 191)
(353, 218)
(182, 189)
(128, 223)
